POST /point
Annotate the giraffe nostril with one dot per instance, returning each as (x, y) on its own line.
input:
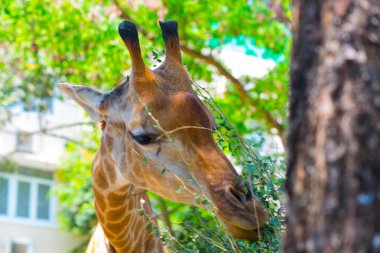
(248, 192)
(238, 195)
(241, 193)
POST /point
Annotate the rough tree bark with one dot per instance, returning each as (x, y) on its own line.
(333, 174)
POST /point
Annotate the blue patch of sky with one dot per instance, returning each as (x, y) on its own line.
(246, 46)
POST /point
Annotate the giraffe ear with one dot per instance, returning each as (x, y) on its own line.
(88, 98)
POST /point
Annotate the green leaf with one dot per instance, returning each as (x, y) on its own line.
(205, 202)
(164, 170)
(179, 189)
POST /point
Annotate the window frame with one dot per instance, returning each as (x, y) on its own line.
(11, 214)
(24, 148)
(27, 242)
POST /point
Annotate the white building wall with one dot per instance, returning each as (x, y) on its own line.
(41, 239)
(47, 151)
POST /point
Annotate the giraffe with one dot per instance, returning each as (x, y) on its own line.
(157, 136)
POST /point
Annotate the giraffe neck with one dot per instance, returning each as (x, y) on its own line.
(123, 210)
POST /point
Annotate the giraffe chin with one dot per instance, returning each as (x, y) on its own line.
(244, 234)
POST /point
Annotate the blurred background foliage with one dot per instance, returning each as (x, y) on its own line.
(43, 42)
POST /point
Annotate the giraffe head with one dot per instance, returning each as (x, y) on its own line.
(162, 138)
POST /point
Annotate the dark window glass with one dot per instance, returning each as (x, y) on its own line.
(4, 188)
(43, 202)
(24, 142)
(19, 248)
(23, 199)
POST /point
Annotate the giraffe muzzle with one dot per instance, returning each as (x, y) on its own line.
(242, 213)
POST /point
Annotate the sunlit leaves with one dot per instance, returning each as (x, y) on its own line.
(43, 42)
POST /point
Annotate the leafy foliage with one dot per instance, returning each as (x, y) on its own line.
(201, 230)
(43, 42)
(74, 191)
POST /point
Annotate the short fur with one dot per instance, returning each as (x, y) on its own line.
(159, 103)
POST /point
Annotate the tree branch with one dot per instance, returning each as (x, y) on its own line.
(277, 8)
(238, 85)
(45, 130)
(165, 215)
(70, 140)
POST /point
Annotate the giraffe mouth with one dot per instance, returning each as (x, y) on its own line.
(242, 213)
(245, 225)
(244, 233)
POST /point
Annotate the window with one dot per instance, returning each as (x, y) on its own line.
(23, 199)
(4, 189)
(24, 142)
(26, 198)
(19, 247)
(43, 202)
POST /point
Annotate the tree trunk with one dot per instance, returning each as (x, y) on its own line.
(333, 173)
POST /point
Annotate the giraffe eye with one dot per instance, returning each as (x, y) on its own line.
(144, 139)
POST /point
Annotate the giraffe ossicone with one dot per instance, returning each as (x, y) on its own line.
(157, 136)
